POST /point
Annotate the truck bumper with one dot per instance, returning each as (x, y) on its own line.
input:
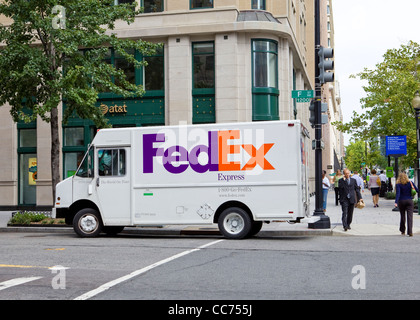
(59, 212)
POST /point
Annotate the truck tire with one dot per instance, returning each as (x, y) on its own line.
(112, 231)
(256, 227)
(235, 223)
(87, 223)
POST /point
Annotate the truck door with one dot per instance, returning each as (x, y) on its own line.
(113, 185)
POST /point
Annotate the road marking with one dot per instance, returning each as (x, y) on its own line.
(20, 266)
(16, 282)
(136, 273)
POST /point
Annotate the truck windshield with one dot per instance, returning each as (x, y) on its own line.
(86, 168)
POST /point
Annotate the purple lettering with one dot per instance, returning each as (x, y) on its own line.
(149, 152)
(169, 157)
(211, 151)
(175, 154)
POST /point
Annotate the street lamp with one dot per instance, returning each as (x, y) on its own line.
(416, 106)
(416, 101)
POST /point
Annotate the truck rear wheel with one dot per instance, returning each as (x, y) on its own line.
(87, 223)
(235, 223)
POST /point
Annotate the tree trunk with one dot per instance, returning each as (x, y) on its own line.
(55, 151)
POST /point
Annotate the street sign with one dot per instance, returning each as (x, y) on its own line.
(303, 100)
(396, 146)
(303, 94)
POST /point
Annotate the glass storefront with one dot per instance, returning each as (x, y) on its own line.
(120, 112)
(27, 166)
(75, 142)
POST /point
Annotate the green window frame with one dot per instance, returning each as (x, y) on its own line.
(201, 4)
(203, 77)
(151, 6)
(153, 75)
(27, 149)
(139, 76)
(117, 2)
(265, 92)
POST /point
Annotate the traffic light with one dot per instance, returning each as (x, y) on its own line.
(325, 65)
(312, 114)
(324, 111)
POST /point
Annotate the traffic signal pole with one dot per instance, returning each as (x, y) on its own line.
(324, 221)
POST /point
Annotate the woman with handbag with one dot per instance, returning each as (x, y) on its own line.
(374, 185)
(405, 203)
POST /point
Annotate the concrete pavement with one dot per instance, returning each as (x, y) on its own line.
(369, 221)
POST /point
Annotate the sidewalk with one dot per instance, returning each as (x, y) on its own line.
(369, 221)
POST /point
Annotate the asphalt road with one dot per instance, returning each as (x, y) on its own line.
(208, 268)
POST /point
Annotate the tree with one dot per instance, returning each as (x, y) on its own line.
(390, 89)
(41, 61)
(358, 152)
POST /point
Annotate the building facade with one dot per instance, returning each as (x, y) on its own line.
(221, 61)
(332, 156)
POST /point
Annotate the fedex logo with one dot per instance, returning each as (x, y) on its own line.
(219, 151)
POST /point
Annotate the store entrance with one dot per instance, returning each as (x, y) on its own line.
(27, 178)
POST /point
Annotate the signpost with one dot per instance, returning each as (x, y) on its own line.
(396, 146)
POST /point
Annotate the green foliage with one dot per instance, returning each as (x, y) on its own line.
(359, 151)
(390, 195)
(389, 89)
(40, 64)
(27, 217)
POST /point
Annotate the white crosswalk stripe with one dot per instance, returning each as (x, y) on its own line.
(16, 282)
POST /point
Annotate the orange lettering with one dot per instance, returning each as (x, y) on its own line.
(258, 156)
(225, 150)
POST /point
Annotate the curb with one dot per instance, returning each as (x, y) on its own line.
(186, 231)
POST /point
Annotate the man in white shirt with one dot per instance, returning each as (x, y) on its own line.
(383, 187)
(359, 181)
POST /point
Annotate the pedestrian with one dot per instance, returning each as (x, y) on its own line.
(325, 187)
(382, 190)
(338, 176)
(349, 196)
(405, 203)
(359, 181)
(374, 185)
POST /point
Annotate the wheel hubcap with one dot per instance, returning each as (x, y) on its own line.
(88, 223)
(234, 223)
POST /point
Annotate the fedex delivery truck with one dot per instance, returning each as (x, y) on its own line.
(236, 175)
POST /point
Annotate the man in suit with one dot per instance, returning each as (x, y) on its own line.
(349, 196)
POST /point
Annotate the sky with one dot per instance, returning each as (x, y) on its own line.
(364, 31)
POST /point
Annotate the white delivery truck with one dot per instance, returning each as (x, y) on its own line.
(236, 175)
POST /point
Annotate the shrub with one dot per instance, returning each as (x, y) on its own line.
(390, 195)
(26, 217)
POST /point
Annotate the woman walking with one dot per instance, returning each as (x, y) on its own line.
(404, 202)
(374, 185)
(325, 187)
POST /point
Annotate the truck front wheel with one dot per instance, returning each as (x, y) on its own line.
(87, 223)
(235, 223)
